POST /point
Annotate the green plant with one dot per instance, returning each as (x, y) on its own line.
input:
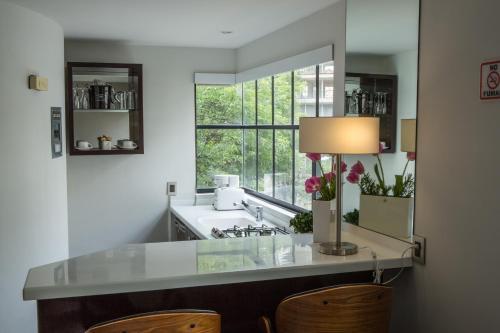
(404, 185)
(302, 222)
(352, 217)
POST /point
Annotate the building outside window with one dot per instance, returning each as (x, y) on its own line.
(251, 129)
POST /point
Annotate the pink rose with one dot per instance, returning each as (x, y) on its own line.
(312, 184)
(411, 156)
(344, 167)
(358, 168)
(353, 177)
(329, 176)
(314, 156)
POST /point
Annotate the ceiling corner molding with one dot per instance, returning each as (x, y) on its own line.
(214, 78)
(310, 58)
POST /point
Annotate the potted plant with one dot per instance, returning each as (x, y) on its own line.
(323, 206)
(302, 223)
(385, 208)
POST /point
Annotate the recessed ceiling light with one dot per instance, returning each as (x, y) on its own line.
(226, 32)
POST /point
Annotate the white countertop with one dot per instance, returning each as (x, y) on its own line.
(169, 265)
(197, 219)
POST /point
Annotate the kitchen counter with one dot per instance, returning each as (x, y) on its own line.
(201, 219)
(169, 265)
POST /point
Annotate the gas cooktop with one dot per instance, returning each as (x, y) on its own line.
(249, 231)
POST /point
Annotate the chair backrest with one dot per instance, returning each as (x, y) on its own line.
(178, 321)
(343, 309)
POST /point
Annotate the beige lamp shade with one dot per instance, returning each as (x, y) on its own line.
(408, 135)
(339, 135)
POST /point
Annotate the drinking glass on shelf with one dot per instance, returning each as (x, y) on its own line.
(353, 102)
(381, 103)
(365, 102)
(384, 103)
(131, 99)
(76, 101)
(84, 92)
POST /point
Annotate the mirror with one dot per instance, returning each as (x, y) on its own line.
(381, 81)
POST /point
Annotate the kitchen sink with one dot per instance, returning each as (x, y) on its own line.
(229, 222)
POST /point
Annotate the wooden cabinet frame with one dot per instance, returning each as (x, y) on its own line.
(136, 127)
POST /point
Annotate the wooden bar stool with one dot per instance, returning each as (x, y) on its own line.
(343, 309)
(177, 321)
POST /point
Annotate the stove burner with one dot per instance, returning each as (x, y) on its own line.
(249, 231)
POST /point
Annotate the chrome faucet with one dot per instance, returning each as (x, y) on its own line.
(254, 210)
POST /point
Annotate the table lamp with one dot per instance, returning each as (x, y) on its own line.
(338, 136)
(408, 135)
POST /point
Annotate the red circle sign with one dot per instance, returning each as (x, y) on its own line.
(493, 80)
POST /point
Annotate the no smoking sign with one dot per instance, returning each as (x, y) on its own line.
(490, 80)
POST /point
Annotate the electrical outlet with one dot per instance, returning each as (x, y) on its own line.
(419, 250)
(171, 189)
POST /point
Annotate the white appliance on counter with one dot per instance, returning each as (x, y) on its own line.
(226, 197)
(228, 192)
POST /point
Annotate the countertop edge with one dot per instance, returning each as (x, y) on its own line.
(42, 293)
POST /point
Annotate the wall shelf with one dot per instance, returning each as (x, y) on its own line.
(373, 83)
(81, 89)
(97, 151)
(103, 110)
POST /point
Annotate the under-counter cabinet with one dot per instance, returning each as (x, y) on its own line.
(182, 232)
(104, 106)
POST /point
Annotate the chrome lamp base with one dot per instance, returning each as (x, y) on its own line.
(345, 248)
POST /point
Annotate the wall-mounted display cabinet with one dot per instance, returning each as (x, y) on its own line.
(374, 95)
(104, 108)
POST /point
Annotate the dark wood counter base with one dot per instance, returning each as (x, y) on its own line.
(240, 304)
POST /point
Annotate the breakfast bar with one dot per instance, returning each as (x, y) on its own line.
(257, 273)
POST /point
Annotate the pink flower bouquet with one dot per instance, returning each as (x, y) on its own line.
(324, 184)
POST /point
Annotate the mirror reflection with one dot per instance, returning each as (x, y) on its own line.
(381, 81)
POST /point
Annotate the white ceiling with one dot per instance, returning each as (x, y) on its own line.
(174, 22)
(382, 27)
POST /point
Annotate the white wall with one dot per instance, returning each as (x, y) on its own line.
(121, 199)
(323, 28)
(457, 203)
(33, 203)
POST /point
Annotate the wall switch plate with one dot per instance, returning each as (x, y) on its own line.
(38, 83)
(419, 250)
(171, 189)
(56, 131)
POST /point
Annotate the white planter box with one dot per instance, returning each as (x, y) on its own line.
(389, 215)
(324, 226)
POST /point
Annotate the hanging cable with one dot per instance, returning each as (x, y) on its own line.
(402, 268)
(377, 271)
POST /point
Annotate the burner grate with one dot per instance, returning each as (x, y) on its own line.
(250, 231)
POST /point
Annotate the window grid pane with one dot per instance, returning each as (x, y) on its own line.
(265, 162)
(250, 159)
(303, 170)
(304, 93)
(218, 105)
(266, 158)
(249, 103)
(218, 151)
(326, 93)
(264, 101)
(283, 170)
(283, 99)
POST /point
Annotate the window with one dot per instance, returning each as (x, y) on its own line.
(251, 129)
